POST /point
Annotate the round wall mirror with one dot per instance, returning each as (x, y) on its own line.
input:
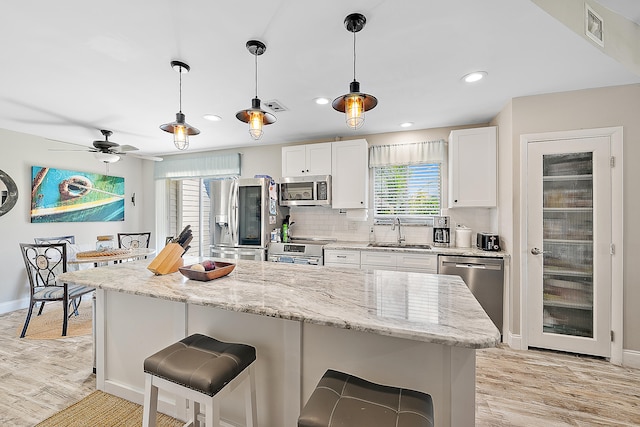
(8, 193)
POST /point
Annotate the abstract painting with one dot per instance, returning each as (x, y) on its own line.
(59, 195)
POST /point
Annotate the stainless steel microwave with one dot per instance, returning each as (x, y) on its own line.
(305, 190)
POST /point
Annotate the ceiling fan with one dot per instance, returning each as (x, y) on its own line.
(109, 152)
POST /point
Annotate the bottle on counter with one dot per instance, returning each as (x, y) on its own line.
(285, 229)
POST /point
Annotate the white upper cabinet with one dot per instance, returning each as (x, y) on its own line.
(309, 159)
(350, 174)
(473, 167)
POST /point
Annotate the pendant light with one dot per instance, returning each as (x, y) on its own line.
(355, 103)
(255, 116)
(180, 129)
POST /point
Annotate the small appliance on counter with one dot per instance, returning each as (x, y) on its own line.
(463, 236)
(488, 241)
(441, 231)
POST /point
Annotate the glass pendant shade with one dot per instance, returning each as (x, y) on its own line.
(255, 124)
(354, 111)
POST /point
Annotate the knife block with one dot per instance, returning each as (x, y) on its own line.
(168, 260)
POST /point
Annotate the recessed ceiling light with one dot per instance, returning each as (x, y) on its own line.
(406, 124)
(474, 77)
(321, 101)
(212, 117)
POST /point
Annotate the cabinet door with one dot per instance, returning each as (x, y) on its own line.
(417, 262)
(350, 174)
(569, 236)
(344, 258)
(370, 260)
(473, 167)
(318, 159)
(294, 161)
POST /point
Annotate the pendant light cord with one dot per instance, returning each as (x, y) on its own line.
(180, 91)
(354, 56)
(256, 58)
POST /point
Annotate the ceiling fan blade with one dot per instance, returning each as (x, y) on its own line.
(127, 148)
(140, 156)
(62, 149)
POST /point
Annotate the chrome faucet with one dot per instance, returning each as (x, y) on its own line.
(393, 227)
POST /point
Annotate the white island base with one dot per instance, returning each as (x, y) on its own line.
(291, 357)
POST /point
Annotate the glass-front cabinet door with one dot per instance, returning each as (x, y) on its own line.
(567, 228)
(569, 235)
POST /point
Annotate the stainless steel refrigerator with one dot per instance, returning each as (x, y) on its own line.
(243, 214)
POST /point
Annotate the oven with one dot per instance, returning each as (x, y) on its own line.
(297, 252)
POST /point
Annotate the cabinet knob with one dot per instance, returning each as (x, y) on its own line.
(307, 170)
(455, 201)
(302, 171)
(362, 203)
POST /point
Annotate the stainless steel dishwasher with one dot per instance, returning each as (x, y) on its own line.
(483, 276)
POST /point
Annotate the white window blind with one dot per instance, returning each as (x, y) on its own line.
(407, 181)
(410, 192)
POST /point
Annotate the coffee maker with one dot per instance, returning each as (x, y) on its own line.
(441, 231)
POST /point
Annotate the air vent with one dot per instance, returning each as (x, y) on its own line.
(275, 106)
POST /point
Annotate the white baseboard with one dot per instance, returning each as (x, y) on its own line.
(631, 359)
(9, 306)
(515, 341)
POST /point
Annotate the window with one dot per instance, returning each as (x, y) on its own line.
(189, 204)
(410, 192)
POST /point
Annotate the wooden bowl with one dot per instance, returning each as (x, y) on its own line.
(222, 269)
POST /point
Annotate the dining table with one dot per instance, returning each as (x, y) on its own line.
(118, 255)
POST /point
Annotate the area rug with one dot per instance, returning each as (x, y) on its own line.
(48, 325)
(101, 409)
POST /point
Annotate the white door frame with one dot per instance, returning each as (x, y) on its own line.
(616, 137)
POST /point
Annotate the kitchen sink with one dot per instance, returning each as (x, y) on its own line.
(398, 245)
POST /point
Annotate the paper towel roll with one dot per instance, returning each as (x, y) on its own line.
(463, 237)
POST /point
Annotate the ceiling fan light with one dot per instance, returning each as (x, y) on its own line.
(106, 157)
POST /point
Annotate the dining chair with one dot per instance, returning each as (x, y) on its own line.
(134, 240)
(43, 262)
(59, 239)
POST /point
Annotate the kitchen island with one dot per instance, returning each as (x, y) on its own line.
(411, 330)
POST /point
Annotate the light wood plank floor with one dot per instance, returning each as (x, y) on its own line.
(515, 388)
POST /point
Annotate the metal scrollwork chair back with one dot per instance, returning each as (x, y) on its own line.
(60, 239)
(134, 240)
(43, 262)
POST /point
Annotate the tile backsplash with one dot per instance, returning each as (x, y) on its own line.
(316, 221)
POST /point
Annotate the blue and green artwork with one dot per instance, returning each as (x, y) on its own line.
(59, 195)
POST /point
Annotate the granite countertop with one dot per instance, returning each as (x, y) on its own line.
(416, 306)
(364, 246)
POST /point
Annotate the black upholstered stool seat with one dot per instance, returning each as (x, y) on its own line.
(200, 370)
(343, 400)
(200, 363)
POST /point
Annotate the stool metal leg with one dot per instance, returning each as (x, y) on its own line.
(150, 402)
(251, 414)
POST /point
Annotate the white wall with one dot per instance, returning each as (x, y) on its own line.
(19, 153)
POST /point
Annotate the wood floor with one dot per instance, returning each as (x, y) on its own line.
(514, 388)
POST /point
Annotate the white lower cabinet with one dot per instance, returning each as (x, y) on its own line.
(427, 263)
(342, 258)
(370, 260)
(382, 260)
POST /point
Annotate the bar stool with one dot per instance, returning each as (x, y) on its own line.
(201, 370)
(345, 400)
